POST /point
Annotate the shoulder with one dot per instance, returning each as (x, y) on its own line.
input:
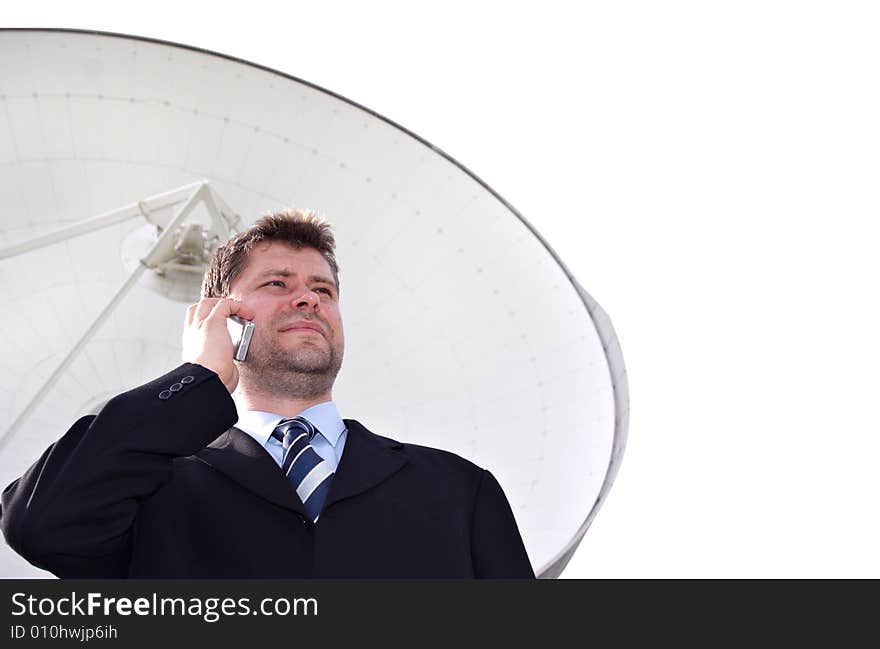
(419, 456)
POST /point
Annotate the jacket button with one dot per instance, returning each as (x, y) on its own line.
(165, 394)
(177, 387)
(187, 379)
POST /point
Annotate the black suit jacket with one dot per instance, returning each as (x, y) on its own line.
(164, 486)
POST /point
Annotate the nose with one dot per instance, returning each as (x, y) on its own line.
(309, 299)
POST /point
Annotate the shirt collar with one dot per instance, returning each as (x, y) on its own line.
(323, 416)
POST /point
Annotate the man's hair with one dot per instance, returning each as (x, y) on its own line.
(297, 228)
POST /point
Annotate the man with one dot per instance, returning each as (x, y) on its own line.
(223, 468)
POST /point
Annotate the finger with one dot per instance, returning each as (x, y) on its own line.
(241, 309)
(204, 308)
(190, 312)
(224, 308)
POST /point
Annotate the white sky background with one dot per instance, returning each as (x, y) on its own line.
(710, 175)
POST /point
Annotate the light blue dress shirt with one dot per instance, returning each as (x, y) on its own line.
(328, 443)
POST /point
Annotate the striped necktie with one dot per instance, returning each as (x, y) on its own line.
(309, 474)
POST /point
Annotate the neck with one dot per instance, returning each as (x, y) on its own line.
(285, 405)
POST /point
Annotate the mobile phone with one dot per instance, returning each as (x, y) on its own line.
(241, 331)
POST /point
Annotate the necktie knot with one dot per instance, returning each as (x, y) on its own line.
(288, 430)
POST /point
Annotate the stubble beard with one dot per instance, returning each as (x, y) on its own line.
(306, 372)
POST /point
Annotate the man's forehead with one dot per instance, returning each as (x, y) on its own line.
(275, 254)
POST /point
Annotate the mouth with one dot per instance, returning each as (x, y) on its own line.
(303, 327)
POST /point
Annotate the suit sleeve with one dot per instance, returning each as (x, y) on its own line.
(496, 545)
(72, 512)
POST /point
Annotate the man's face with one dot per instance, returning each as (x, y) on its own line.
(297, 324)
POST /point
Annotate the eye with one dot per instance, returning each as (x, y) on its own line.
(326, 290)
(274, 281)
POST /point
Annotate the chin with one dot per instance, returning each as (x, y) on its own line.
(310, 362)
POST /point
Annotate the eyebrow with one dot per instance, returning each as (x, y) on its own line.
(283, 272)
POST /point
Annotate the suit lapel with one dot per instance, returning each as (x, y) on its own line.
(367, 460)
(240, 457)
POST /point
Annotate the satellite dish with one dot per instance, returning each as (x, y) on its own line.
(127, 160)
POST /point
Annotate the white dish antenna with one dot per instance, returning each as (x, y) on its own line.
(464, 330)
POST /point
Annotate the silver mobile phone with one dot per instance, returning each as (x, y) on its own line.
(241, 331)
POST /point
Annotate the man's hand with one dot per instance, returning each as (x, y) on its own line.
(206, 338)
